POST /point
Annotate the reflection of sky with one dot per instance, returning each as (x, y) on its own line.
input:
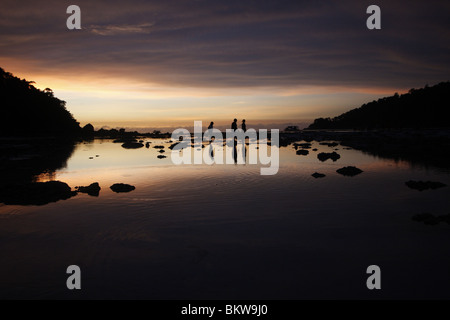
(134, 165)
(187, 229)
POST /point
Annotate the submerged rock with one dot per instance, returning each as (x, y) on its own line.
(424, 185)
(158, 147)
(162, 151)
(323, 156)
(302, 152)
(349, 171)
(147, 145)
(161, 156)
(122, 187)
(35, 193)
(93, 189)
(318, 175)
(132, 145)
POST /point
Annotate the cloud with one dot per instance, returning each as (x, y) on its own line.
(112, 30)
(232, 44)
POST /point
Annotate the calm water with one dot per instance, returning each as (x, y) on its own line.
(225, 231)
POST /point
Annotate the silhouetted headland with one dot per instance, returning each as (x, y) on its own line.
(419, 108)
(413, 127)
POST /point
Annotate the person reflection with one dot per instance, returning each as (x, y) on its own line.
(235, 149)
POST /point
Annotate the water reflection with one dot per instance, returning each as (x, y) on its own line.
(227, 232)
(26, 163)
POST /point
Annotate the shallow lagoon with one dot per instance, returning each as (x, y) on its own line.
(227, 232)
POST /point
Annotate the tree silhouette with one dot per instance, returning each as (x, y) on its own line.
(26, 110)
(419, 108)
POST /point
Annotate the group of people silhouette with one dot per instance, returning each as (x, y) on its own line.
(234, 125)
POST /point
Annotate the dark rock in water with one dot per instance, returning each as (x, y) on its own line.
(132, 145)
(91, 158)
(125, 140)
(315, 149)
(330, 144)
(424, 185)
(302, 152)
(147, 145)
(173, 145)
(35, 193)
(306, 145)
(141, 141)
(318, 175)
(161, 156)
(122, 187)
(349, 171)
(93, 189)
(323, 156)
(97, 155)
(158, 147)
(162, 151)
(429, 219)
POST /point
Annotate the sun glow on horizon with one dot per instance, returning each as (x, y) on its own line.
(129, 102)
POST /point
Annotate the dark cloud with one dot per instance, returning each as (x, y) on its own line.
(234, 43)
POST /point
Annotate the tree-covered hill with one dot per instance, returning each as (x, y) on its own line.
(419, 108)
(26, 110)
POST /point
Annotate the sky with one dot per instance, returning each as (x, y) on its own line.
(160, 64)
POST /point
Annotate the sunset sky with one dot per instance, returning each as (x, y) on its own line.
(148, 64)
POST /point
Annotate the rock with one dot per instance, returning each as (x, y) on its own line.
(158, 147)
(141, 141)
(315, 149)
(162, 151)
(122, 187)
(173, 145)
(349, 171)
(35, 193)
(147, 145)
(318, 175)
(93, 189)
(424, 185)
(161, 156)
(132, 145)
(330, 144)
(90, 158)
(125, 140)
(97, 155)
(323, 156)
(306, 145)
(302, 152)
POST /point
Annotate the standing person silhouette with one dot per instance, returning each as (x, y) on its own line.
(243, 125)
(211, 125)
(234, 125)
